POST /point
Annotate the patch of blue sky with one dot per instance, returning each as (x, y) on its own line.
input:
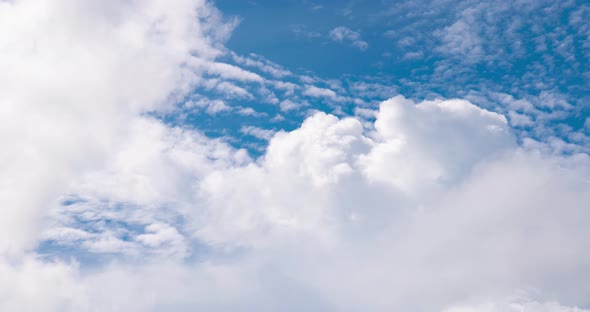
(52, 250)
(295, 34)
(434, 49)
(95, 232)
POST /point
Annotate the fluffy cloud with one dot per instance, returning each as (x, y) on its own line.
(433, 206)
(479, 214)
(321, 222)
(323, 216)
(71, 87)
(411, 143)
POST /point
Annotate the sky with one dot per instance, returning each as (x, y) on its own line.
(294, 155)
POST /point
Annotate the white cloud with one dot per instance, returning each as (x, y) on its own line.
(264, 65)
(553, 100)
(314, 91)
(263, 134)
(288, 87)
(365, 113)
(232, 91)
(461, 38)
(228, 71)
(414, 55)
(408, 135)
(431, 207)
(164, 239)
(344, 34)
(288, 105)
(321, 203)
(457, 205)
(249, 111)
(470, 233)
(527, 306)
(74, 78)
(212, 107)
(277, 118)
(519, 120)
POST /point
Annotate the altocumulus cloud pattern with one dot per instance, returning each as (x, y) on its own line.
(295, 155)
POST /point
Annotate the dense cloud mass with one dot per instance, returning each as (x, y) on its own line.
(106, 206)
(73, 75)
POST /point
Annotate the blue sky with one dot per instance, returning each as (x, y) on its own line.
(294, 155)
(485, 52)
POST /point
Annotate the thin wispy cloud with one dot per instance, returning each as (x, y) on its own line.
(344, 34)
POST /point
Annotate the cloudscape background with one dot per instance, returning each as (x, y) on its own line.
(294, 155)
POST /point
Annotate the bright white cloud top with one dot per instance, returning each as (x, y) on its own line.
(114, 199)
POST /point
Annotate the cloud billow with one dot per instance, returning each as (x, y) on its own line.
(432, 205)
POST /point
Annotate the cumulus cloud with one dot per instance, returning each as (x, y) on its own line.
(456, 205)
(71, 86)
(410, 135)
(429, 206)
(451, 200)
(345, 34)
(472, 224)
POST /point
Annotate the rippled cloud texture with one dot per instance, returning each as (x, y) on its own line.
(114, 199)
